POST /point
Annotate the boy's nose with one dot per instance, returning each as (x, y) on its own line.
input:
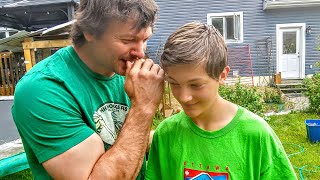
(185, 96)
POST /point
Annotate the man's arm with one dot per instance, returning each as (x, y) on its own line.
(87, 160)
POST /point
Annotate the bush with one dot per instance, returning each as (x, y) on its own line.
(245, 96)
(313, 92)
(272, 95)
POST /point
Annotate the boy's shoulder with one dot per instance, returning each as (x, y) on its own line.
(251, 123)
(173, 122)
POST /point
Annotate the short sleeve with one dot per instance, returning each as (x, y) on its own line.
(280, 168)
(153, 165)
(47, 116)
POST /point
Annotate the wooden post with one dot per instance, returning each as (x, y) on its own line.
(2, 73)
(27, 59)
(33, 57)
(27, 54)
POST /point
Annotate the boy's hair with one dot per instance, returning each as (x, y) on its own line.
(196, 43)
(93, 16)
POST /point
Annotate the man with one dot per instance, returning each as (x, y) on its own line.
(69, 108)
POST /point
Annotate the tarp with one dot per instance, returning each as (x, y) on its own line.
(13, 164)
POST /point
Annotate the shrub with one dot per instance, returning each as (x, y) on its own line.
(313, 92)
(245, 96)
(272, 95)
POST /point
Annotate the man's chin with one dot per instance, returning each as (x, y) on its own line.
(121, 72)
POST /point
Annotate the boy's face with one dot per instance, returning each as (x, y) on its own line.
(194, 89)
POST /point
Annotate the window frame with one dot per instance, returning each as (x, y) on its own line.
(210, 16)
(7, 31)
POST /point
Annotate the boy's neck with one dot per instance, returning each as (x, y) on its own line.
(218, 116)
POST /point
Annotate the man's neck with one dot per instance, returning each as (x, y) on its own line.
(84, 54)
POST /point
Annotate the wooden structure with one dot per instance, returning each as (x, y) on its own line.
(11, 70)
(30, 47)
(34, 48)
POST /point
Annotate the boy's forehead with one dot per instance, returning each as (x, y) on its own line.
(186, 72)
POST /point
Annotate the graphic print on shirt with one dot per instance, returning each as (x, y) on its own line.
(190, 174)
(109, 119)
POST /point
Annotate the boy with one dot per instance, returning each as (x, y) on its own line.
(211, 138)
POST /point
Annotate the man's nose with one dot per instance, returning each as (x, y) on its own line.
(138, 50)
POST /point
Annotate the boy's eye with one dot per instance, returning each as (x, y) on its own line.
(196, 85)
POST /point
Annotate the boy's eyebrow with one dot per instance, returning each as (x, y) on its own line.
(191, 80)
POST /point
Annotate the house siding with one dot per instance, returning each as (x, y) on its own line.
(257, 24)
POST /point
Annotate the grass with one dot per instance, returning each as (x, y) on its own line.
(22, 175)
(290, 129)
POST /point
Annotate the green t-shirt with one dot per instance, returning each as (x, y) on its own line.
(60, 102)
(246, 149)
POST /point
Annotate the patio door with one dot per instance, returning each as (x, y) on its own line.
(290, 61)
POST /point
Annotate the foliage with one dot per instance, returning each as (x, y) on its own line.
(245, 96)
(272, 95)
(313, 92)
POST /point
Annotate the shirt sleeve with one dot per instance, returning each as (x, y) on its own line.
(48, 116)
(153, 164)
(280, 168)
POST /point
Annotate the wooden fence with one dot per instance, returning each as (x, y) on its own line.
(12, 68)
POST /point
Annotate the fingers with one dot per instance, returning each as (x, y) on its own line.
(144, 65)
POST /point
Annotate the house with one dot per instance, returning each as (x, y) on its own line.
(280, 35)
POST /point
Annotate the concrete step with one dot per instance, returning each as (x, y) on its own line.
(283, 85)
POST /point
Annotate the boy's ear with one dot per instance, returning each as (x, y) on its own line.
(224, 75)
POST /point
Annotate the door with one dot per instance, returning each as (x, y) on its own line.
(289, 52)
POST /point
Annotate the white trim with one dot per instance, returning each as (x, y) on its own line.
(302, 27)
(268, 4)
(6, 98)
(217, 15)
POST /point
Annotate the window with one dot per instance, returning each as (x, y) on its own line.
(229, 24)
(2, 35)
(6, 32)
(12, 33)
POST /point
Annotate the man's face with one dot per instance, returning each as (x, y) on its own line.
(118, 44)
(193, 88)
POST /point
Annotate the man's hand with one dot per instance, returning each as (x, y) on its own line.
(144, 84)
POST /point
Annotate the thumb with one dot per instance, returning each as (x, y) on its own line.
(129, 66)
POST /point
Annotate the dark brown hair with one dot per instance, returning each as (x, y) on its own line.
(196, 43)
(93, 16)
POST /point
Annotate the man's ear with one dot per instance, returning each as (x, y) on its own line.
(224, 75)
(89, 37)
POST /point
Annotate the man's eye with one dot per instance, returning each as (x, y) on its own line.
(127, 41)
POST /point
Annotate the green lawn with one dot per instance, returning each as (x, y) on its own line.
(291, 130)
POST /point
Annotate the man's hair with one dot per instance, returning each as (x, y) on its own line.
(93, 16)
(196, 43)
